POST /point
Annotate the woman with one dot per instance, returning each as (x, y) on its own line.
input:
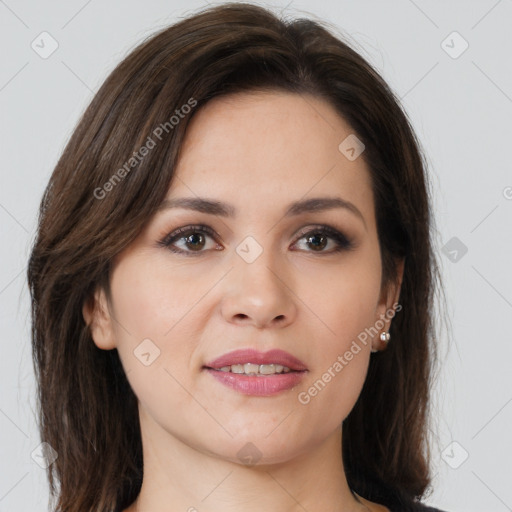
(238, 227)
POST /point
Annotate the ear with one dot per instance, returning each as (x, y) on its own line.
(387, 304)
(96, 313)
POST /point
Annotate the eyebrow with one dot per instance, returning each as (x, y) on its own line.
(213, 207)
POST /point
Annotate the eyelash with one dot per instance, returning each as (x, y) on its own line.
(343, 243)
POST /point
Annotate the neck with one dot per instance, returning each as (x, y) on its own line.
(180, 477)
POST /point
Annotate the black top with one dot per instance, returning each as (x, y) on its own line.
(419, 507)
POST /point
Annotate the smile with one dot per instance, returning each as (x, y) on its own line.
(251, 372)
(255, 369)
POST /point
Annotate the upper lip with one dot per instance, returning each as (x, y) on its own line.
(242, 356)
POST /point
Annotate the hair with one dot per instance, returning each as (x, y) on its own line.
(87, 410)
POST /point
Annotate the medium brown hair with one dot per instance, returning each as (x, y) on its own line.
(87, 409)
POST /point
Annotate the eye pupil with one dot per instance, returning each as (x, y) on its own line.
(190, 240)
(321, 245)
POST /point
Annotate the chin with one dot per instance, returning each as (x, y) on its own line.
(258, 450)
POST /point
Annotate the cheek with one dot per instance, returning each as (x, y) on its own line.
(342, 299)
(340, 368)
(151, 299)
(148, 313)
(147, 310)
(346, 306)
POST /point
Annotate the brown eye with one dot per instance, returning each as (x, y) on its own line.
(318, 241)
(318, 238)
(194, 239)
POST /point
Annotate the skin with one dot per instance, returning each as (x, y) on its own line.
(258, 152)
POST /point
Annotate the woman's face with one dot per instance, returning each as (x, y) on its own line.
(261, 278)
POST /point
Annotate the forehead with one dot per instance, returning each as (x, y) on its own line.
(269, 148)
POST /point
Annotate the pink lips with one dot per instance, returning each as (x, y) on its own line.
(275, 356)
(258, 385)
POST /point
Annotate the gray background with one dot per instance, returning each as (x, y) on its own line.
(460, 105)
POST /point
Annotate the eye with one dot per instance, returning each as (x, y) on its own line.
(193, 236)
(318, 238)
(193, 240)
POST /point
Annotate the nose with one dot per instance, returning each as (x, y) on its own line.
(258, 294)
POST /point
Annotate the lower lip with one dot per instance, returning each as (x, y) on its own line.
(260, 386)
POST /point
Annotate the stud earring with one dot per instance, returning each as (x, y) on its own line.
(384, 338)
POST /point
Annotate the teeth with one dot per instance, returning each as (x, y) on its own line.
(255, 369)
(252, 368)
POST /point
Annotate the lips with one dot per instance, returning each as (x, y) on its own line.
(227, 370)
(244, 356)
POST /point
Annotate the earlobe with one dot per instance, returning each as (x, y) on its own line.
(97, 316)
